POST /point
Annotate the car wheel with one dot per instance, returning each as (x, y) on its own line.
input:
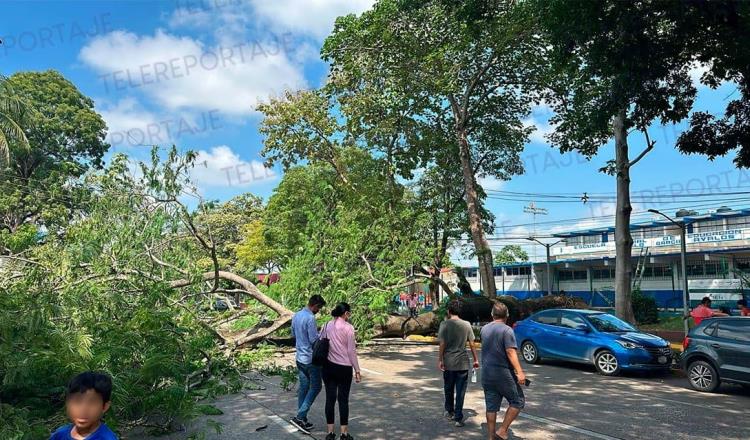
(530, 353)
(606, 363)
(703, 376)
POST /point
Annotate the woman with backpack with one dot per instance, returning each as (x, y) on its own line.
(338, 368)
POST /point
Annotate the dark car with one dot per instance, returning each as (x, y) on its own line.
(717, 350)
(591, 337)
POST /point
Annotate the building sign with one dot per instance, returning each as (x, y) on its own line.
(716, 289)
(667, 240)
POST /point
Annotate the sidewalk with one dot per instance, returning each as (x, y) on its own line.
(245, 416)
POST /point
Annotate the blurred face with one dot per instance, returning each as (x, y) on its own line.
(85, 410)
(347, 315)
(315, 309)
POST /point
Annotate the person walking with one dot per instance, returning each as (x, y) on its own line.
(453, 361)
(413, 306)
(305, 333)
(337, 371)
(502, 375)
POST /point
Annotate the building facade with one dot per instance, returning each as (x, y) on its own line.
(583, 263)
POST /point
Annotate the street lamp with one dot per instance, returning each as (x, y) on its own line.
(549, 270)
(683, 252)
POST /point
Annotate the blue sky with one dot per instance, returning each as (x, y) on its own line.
(189, 72)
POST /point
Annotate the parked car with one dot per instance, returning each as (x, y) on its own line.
(223, 304)
(589, 336)
(717, 350)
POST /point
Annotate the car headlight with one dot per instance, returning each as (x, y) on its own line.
(627, 344)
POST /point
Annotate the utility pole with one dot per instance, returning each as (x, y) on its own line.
(534, 211)
(683, 252)
(549, 266)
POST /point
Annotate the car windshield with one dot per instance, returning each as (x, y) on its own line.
(607, 323)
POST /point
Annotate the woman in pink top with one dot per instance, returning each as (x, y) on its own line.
(337, 371)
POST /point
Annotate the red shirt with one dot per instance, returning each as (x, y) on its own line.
(744, 311)
(700, 313)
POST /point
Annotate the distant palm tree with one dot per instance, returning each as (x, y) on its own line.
(12, 109)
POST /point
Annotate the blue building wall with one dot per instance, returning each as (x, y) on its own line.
(664, 298)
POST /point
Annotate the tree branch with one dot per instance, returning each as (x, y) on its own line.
(649, 146)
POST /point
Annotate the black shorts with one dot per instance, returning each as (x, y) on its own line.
(506, 387)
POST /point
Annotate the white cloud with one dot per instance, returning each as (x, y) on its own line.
(696, 72)
(130, 125)
(124, 115)
(222, 167)
(183, 73)
(542, 129)
(310, 17)
(491, 183)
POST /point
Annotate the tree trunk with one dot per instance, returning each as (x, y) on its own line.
(623, 238)
(481, 246)
(397, 325)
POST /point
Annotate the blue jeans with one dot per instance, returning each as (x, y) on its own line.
(310, 385)
(455, 382)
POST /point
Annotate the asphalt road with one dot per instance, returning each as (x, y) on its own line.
(401, 398)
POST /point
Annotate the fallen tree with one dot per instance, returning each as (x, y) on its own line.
(398, 325)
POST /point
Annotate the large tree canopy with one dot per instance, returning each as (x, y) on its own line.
(65, 139)
(450, 76)
(615, 67)
(718, 33)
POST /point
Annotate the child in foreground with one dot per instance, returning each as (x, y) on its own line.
(86, 400)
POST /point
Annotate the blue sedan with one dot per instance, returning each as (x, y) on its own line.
(589, 336)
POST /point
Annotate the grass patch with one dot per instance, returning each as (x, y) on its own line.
(667, 323)
(255, 358)
(245, 322)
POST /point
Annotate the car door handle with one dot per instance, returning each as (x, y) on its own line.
(715, 345)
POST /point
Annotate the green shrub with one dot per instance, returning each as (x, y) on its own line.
(644, 308)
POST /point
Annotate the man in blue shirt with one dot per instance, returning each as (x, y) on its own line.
(305, 332)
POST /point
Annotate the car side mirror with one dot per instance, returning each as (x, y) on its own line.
(584, 328)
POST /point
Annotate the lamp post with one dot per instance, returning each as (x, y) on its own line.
(683, 264)
(549, 268)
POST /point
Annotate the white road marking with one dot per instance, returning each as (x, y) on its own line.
(371, 371)
(431, 389)
(288, 427)
(561, 425)
(567, 427)
(702, 406)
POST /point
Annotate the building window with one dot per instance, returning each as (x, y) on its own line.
(742, 264)
(657, 272)
(706, 269)
(694, 269)
(470, 273)
(517, 271)
(710, 226)
(592, 239)
(498, 271)
(571, 275)
(738, 222)
(606, 273)
(653, 232)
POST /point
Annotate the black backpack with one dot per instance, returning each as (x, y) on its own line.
(321, 347)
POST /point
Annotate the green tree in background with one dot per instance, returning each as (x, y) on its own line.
(511, 253)
(12, 111)
(65, 139)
